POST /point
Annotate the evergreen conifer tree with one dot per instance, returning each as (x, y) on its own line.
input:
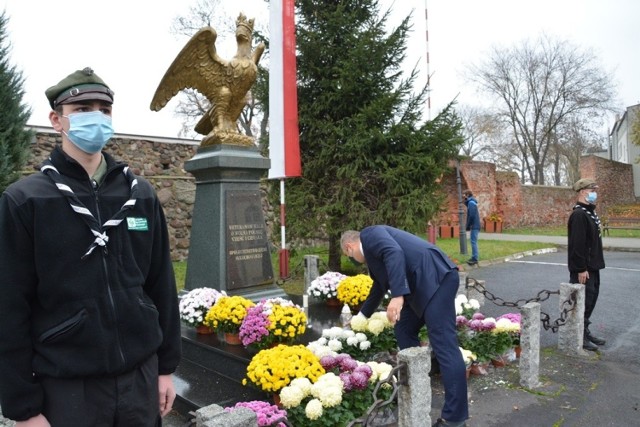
(368, 157)
(14, 138)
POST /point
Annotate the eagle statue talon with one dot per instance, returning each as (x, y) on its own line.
(225, 84)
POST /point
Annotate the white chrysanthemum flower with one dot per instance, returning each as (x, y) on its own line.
(303, 384)
(376, 326)
(291, 396)
(335, 332)
(361, 337)
(353, 341)
(335, 345)
(461, 298)
(313, 410)
(365, 345)
(380, 371)
(474, 303)
(347, 333)
(330, 396)
(359, 323)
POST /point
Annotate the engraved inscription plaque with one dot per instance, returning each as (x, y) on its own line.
(247, 246)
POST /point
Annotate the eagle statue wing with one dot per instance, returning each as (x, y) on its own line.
(197, 66)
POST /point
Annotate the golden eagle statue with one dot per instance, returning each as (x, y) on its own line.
(224, 83)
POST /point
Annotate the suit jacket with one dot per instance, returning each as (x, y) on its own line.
(403, 263)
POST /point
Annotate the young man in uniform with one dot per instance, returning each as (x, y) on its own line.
(89, 323)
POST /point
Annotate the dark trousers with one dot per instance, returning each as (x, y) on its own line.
(440, 319)
(127, 400)
(591, 292)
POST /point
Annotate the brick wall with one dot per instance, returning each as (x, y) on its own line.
(533, 205)
(161, 161)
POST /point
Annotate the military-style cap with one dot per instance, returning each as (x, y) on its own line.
(81, 85)
(584, 183)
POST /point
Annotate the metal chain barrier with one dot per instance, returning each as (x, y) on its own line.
(567, 306)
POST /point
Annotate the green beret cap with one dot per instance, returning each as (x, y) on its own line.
(81, 85)
(585, 183)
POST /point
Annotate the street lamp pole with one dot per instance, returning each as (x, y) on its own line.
(463, 233)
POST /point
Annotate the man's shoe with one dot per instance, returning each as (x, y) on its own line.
(472, 262)
(442, 423)
(594, 339)
(588, 345)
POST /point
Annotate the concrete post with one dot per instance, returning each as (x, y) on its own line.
(414, 395)
(462, 283)
(310, 270)
(216, 416)
(530, 345)
(473, 293)
(571, 334)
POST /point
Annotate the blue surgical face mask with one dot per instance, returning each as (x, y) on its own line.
(592, 197)
(89, 131)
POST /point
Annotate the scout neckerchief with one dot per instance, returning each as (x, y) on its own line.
(594, 217)
(100, 232)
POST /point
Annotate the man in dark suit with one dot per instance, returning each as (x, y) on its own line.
(423, 282)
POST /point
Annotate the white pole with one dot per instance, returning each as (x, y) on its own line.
(283, 254)
(426, 26)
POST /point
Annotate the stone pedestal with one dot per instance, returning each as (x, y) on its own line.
(229, 248)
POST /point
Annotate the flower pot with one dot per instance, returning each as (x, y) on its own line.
(232, 339)
(493, 226)
(518, 350)
(276, 400)
(204, 330)
(498, 361)
(333, 302)
(479, 368)
(445, 231)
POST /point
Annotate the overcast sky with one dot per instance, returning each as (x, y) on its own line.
(128, 43)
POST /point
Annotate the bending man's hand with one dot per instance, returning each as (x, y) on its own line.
(394, 308)
(166, 393)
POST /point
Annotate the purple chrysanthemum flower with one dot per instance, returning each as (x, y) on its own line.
(477, 316)
(461, 321)
(348, 364)
(359, 380)
(366, 369)
(346, 381)
(328, 362)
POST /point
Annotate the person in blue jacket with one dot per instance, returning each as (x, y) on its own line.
(473, 224)
(423, 282)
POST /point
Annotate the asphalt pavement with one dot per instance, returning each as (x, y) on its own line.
(599, 389)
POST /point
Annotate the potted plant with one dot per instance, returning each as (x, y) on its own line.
(493, 223)
(324, 287)
(510, 323)
(272, 321)
(353, 290)
(266, 413)
(195, 305)
(342, 394)
(367, 338)
(226, 316)
(274, 368)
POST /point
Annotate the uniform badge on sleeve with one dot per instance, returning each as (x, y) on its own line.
(137, 224)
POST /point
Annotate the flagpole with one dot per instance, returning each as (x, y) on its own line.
(283, 254)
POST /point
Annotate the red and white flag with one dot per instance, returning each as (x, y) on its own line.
(284, 143)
